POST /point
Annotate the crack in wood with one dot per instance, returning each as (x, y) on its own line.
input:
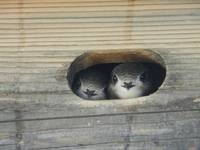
(127, 139)
(19, 128)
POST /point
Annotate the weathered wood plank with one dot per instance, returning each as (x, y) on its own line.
(39, 40)
(157, 129)
(8, 147)
(176, 144)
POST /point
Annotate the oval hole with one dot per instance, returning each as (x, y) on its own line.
(106, 61)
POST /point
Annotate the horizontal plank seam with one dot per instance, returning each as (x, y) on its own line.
(100, 115)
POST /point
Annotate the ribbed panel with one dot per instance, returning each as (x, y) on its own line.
(40, 38)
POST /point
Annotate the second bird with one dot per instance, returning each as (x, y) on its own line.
(129, 80)
(91, 84)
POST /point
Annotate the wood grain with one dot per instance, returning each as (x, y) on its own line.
(40, 39)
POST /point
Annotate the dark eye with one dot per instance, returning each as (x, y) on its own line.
(114, 78)
(143, 76)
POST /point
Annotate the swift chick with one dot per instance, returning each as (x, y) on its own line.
(91, 84)
(129, 80)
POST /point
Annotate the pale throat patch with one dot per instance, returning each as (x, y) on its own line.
(99, 94)
(123, 93)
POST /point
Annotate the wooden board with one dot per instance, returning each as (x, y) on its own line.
(39, 40)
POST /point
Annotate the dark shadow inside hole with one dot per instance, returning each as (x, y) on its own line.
(157, 75)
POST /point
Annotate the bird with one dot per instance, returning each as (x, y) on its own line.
(91, 84)
(130, 80)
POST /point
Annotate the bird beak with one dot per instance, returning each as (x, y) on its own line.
(128, 85)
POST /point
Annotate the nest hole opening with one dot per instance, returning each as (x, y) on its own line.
(91, 65)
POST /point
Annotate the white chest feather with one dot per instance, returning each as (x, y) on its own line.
(117, 91)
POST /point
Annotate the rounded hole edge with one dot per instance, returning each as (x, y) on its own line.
(92, 58)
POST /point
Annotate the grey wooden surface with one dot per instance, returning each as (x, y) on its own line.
(40, 38)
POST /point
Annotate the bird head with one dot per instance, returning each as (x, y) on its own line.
(91, 84)
(129, 80)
